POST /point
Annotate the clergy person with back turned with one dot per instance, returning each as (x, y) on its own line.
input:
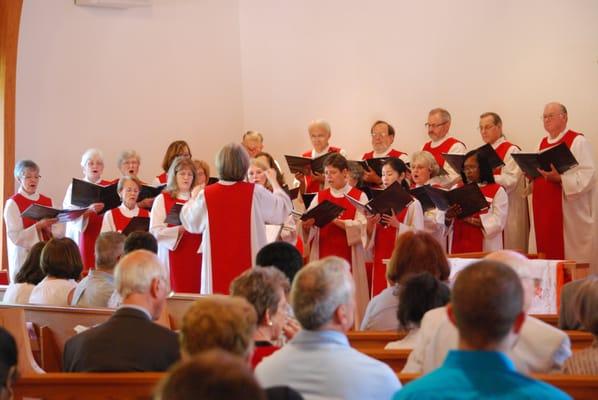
(232, 216)
(564, 219)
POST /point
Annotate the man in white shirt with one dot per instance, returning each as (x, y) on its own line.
(541, 348)
(319, 362)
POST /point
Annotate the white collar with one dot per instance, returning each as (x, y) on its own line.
(559, 137)
(383, 154)
(315, 154)
(498, 142)
(90, 181)
(129, 213)
(34, 196)
(340, 192)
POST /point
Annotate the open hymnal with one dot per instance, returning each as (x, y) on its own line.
(299, 164)
(38, 212)
(393, 198)
(137, 224)
(468, 197)
(85, 193)
(174, 215)
(323, 213)
(560, 156)
(486, 151)
(149, 192)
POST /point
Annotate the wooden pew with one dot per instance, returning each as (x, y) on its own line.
(395, 359)
(13, 320)
(177, 305)
(90, 386)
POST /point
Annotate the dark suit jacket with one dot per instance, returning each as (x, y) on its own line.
(567, 318)
(128, 341)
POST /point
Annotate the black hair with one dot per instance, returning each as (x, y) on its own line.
(420, 293)
(398, 165)
(282, 256)
(141, 241)
(31, 271)
(8, 355)
(486, 174)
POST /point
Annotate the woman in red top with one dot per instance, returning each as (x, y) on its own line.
(117, 219)
(266, 288)
(177, 248)
(178, 148)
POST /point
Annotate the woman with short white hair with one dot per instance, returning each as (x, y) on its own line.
(23, 232)
(86, 229)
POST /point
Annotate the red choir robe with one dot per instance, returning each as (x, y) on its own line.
(312, 186)
(447, 145)
(89, 235)
(119, 219)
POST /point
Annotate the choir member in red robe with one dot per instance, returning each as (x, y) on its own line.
(177, 249)
(438, 126)
(483, 230)
(232, 214)
(86, 229)
(178, 148)
(128, 164)
(22, 232)
(319, 134)
(383, 230)
(117, 219)
(202, 169)
(383, 135)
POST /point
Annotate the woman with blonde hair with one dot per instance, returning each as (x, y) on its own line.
(178, 249)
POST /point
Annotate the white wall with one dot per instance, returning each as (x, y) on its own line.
(353, 62)
(116, 79)
(205, 70)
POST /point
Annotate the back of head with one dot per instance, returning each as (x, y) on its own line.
(586, 305)
(417, 252)
(8, 361)
(141, 241)
(31, 271)
(232, 162)
(486, 299)
(420, 293)
(319, 289)
(219, 322)
(108, 249)
(60, 258)
(281, 255)
(262, 287)
(521, 265)
(135, 272)
(213, 375)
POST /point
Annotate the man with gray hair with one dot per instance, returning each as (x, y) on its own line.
(129, 340)
(541, 348)
(318, 362)
(438, 126)
(96, 288)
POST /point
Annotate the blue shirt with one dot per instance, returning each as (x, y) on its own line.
(477, 375)
(322, 365)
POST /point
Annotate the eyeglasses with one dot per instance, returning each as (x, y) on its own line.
(434, 126)
(547, 117)
(379, 134)
(31, 177)
(485, 128)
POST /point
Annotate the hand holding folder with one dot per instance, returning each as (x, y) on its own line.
(323, 213)
(85, 193)
(560, 156)
(468, 199)
(38, 212)
(486, 151)
(392, 199)
(304, 165)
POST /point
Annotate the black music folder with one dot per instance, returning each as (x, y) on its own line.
(308, 198)
(137, 224)
(374, 164)
(323, 213)
(150, 192)
(300, 164)
(293, 193)
(85, 193)
(385, 201)
(486, 151)
(174, 215)
(38, 212)
(212, 180)
(469, 197)
(560, 156)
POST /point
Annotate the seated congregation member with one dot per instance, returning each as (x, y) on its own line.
(425, 171)
(438, 126)
(266, 289)
(414, 253)
(585, 362)
(85, 229)
(568, 318)
(129, 340)
(481, 231)
(420, 293)
(177, 248)
(232, 211)
(288, 230)
(319, 135)
(61, 263)
(141, 241)
(282, 256)
(510, 177)
(202, 170)
(97, 287)
(30, 274)
(8, 364)
(178, 148)
(383, 230)
(117, 219)
(344, 236)
(23, 233)
(541, 348)
(487, 308)
(212, 375)
(318, 362)
(128, 164)
(382, 135)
